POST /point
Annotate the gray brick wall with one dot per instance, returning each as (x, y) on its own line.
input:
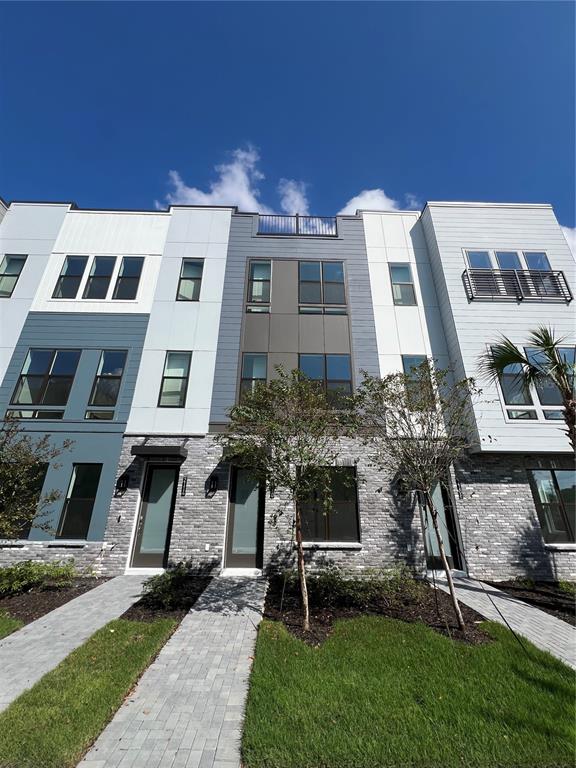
(501, 534)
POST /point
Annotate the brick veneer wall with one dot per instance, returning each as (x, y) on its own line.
(501, 534)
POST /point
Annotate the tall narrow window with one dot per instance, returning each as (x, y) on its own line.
(128, 278)
(554, 492)
(403, 291)
(79, 503)
(99, 279)
(513, 388)
(310, 286)
(253, 372)
(10, 270)
(70, 277)
(108, 378)
(333, 282)
(340, 522)
(175, 380)
(47, 376)
(537, 260)
(190, 280)
(411, 367)
(259, 287)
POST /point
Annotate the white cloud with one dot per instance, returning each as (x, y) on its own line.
(237, 184)
(370, 199)
(293, 197)
(570, 235)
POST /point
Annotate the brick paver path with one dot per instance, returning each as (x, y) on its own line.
(187, 709)
(545, 631)
(31, 652)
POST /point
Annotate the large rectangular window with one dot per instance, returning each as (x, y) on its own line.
(321, 287)
(403, 291)
(258, 298)
(254, 372)
(340, 522)
(47, 376)
(79, 503)
(99, 279)
(70, 277)
(108, 378)
(10, 270)
(333, 371)
(128, 278)
(190, 281)
(175, 380)
(555, 496)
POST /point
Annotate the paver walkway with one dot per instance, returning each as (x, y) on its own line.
(31, 652)
(545, 631)
(187, 709)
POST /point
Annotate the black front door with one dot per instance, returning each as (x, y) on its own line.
(155, 518)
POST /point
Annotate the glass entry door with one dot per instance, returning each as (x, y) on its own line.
(155, 519)
(447, 531)
(245, 521)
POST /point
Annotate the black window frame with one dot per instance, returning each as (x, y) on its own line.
(106, 377)
(46, 378)
(7, 275)
(570, 524)
(65, 279)
(255, 304)
(251, 381)
(315, 509)
(322, 306)
(94, 279)
(196, 281)
(122, 280)
(69, 498)
(411, 284)
(186, 379)
(330, 391)
(51, 414)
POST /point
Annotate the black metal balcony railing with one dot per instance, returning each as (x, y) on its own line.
(312, 226)
(516, 285)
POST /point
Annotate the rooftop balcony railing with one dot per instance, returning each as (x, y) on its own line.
(515, 285)
(308, 226)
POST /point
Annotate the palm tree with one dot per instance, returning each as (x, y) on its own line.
(549, 364)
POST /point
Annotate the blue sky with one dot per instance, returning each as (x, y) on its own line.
(288, 106)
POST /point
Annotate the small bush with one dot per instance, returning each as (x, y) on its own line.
(28, 574)
(178, 587)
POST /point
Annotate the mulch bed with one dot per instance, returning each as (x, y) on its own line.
(147, 609)
(433, 607)
(544, 595)
(38, 601)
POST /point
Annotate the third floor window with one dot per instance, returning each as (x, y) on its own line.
(321, 288)
(190, 280)
(10, 270)
(258, 298)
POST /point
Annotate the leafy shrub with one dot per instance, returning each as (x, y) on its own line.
(28, 574)
(178, 587)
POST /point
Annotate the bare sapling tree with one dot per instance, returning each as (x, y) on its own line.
(549, 364)
(23, 464)
(285, 433)
(416, 426)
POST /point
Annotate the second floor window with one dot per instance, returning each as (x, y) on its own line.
(108, 377)
(321, 287)
(10, 270)
(70, 277)
(175, 380)
(190, 280)
(254, 372)
(99, 278)
(333, 371)
(47, 377)
(403, 292)
(128, 278)
(259, 287)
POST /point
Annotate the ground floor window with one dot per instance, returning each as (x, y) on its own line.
(341, 522)
(79, 503)
(555, 496)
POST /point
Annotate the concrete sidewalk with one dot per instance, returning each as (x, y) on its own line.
(31, 652)
(546, 632)
(188, 707)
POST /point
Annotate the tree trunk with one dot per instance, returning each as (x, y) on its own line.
(570, 420)
(434, 516)
(302, 572)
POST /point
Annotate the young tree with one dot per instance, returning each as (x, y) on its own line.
(23, 464)
(285, 433)
(416, 425)
(549, 364)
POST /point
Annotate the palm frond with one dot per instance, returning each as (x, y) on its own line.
(493, 362)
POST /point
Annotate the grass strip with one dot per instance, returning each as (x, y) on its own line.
(8, 624)
(52, 724)
(381, 692)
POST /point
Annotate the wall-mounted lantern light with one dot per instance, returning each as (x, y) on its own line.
(184, 485)
(122, 484)
(211, 486)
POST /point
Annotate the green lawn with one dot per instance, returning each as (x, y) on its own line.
(382, 693)
(53, 723)
(8, 624)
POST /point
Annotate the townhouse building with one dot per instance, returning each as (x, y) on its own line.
(132, 333)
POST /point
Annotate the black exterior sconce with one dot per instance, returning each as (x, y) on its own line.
(122, 484)
(212, 486)
(184, 485)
